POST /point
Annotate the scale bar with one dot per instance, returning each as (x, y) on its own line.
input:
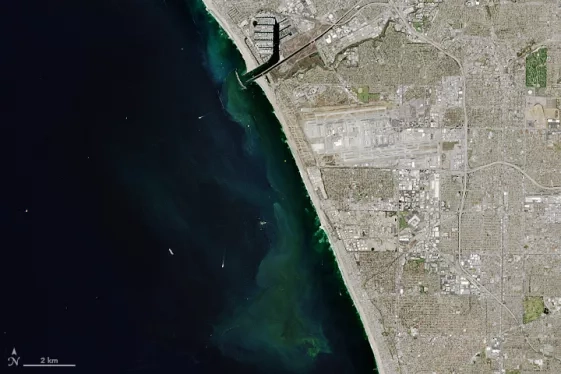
(50, 365)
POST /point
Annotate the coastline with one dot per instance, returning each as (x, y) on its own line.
(383, 363)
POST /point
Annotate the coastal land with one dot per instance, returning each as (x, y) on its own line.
(427, 135)
(383, 356)
(345, 265)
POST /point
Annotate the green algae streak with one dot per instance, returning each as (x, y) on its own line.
(299, 309)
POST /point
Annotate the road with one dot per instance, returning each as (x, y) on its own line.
(554, 188)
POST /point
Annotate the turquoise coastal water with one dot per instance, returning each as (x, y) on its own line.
(298, 316)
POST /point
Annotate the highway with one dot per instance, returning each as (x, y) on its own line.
(553, 188)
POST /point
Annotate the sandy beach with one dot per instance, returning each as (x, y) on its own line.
(346, 265)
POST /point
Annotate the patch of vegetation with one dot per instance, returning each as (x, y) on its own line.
(363, 94)
(421, 25)
(512, 371)
(374, 96)
(533, 308)
(536, 70)
(448, 146)
(402, 221)
(416, 265)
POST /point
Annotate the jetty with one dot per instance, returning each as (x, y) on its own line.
(252, 75)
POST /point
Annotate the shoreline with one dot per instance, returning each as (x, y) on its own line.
(382, 365)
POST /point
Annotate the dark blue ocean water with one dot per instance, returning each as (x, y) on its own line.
(106, 166)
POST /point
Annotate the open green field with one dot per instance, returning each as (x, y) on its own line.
(363, 94)
(416, 266)
(536, 70)
(448, 146)
(533, 308)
